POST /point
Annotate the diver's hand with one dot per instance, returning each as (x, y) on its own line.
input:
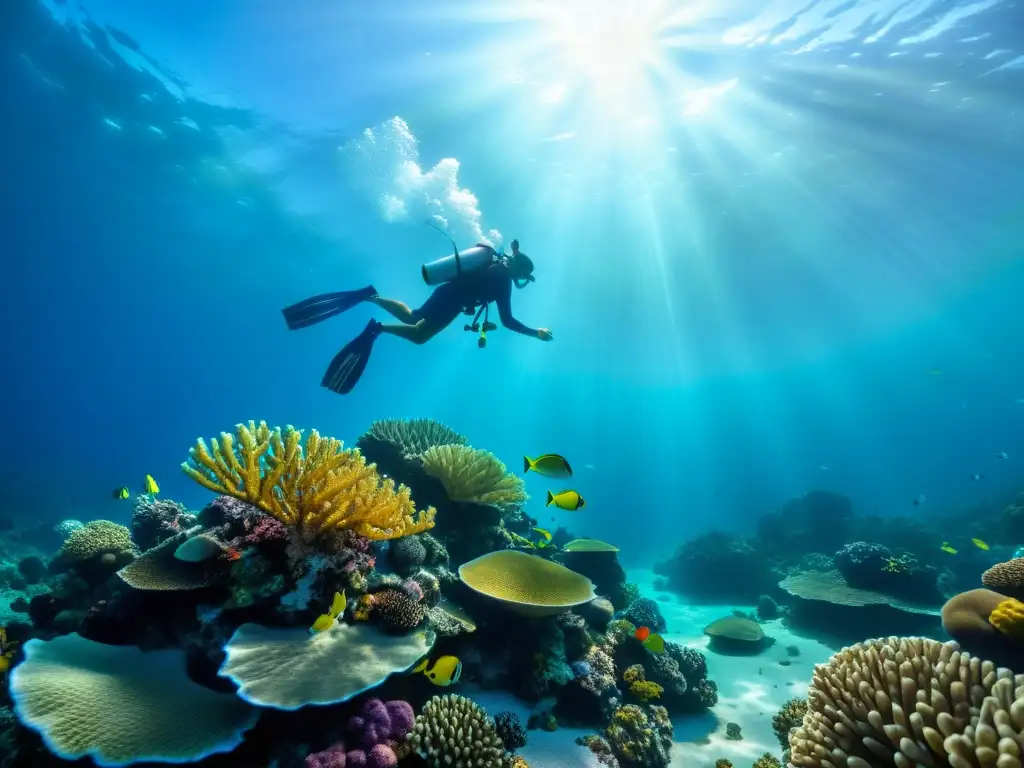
(545, 334)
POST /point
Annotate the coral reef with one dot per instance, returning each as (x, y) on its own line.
(154, 520)
(394, 611)
(644, 612)
(640, 736)
(789, 716)
(95, 550)
(316, 487)
(819, 521)
(120, 705)
(526, 584)
(453, 731)
(408, 439)
(473, 475)
(961, 708)
(511, 730)
(717, 567)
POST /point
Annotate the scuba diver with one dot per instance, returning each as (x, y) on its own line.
(467, 282)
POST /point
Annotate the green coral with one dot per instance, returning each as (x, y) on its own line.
(767, 760)
(411, 437)
(641, 735)
(473, 475)
(94, 540)
(790, 716)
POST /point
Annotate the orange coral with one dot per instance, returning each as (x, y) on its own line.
(316, 487)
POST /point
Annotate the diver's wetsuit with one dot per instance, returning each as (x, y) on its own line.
(469, 291)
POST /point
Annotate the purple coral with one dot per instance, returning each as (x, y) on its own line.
(265, 530)
(381, 722)
(381, 756)
(334, 757)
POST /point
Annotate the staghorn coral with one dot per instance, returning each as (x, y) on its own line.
(121, 705)
(410, 437)
(1006, 578)
(789, 716)
(472, 475)
(909, 701)
(453, 731)
(316, 487)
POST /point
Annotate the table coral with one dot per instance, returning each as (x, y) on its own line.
(316, 487)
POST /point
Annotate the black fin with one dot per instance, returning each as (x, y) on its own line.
(348, 365)
(324, 306)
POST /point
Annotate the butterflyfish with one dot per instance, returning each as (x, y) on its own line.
(979, 543)
(549, 465)
(570, 501)
(947, 548)
(121, 493)
(150, 485)
(444, 671)
(326, 621)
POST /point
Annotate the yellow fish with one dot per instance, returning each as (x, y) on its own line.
(570, 501)
(7, 649)
(121, 493)
(946, 548)
(444, 672)
(549, 465)
(150, 485)
(979, 544)
(327, 620)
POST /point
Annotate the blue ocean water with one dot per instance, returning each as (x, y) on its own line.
(779, 246)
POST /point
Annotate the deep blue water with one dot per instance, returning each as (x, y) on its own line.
(786, 255)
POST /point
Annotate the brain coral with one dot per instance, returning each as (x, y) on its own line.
(908, 701)
(395, 612)
(94, 540)
(1006, 578)
(527, 584)
(120, 705)
(290, 668)
(453, 731)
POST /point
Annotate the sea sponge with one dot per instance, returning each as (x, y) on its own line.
(120, 705)
(1008, 618)
(318, 487)
(789, 716)
(290, 668)
(410, 437)
(98, 540)
(1006, 578)
(527, 584)
(472, 475)
(158, 569)
(395, 611)
(909, 701)
(453, 731)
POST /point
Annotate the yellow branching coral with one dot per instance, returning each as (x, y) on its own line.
(1008, 618)
(473, 475)
(316, 487)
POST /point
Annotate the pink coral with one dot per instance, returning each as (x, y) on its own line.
(334, 757)
(265, 530)
(382, 756)
(413, 589)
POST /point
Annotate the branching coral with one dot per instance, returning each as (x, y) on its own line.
(908, 701)
(472, 475)
(316, 487)
(453, 731)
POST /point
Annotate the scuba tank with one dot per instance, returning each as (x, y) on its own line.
(449, 267)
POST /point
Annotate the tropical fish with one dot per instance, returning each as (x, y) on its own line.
(946, 548)
(549, 465)
(642, 633)
(1003, 455)
(230, 553)
(655, 643)
(150, 485)
(545, 537)
(7, 649)
(121, 493)
(919, 500)
(570, 501)
(327, 620)
(977, 476)
(979, 543)
(444, 671)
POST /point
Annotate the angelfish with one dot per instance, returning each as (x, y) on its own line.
(327, 620)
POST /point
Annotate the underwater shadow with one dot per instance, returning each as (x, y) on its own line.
(694, 728)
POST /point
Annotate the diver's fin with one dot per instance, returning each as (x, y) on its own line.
(317, 308)
(349, 364)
